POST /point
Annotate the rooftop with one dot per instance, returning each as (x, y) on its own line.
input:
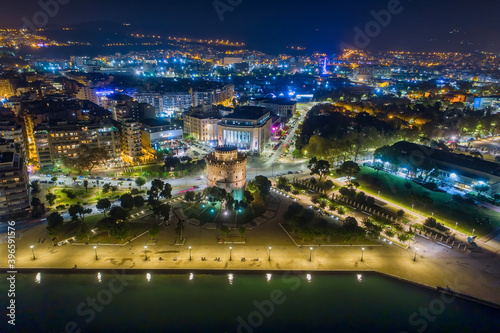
(438, 155)
(247, 112)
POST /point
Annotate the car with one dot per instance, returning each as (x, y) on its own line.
(61, 243)
(43, 182)
(122, 179)
(114, 178)
(98, 178)
(129, 179)
(52, 182)
(91, 177)
(199, 178)
(290, 172)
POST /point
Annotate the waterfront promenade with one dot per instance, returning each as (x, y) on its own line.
(475, 273)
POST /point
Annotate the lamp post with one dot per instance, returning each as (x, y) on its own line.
(473, 231)
(230, 248)
(269, 253)
(95, 250)
(362, 252)
(33, 251)
(190, 253)
(415, 257)
(145, 253)
(456, 225)
(310, 253)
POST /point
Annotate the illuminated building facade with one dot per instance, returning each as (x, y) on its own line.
(54, 143)
(14, 183)
(226, 168)
(248, 128)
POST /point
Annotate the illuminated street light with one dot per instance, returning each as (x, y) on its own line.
(33, 251)
(230, 248)
(269, 253)
(473, 231)
(362, 252)
(415, 258)
(145, 253)
(190, 253)
(95, 250)
(456, 225)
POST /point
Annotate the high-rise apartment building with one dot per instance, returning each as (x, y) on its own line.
(14, 183)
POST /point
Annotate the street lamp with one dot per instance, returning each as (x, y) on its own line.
(95, 250)
(33, 251)
(415, 258)
(230, 248)
(190, 253)
(310, 253)
(269, 253)
(145, 253)
(456, 225)
(362, 252)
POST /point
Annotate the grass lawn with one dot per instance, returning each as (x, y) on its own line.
(445, 209)
(90, 196)
(334, 239)
(135, 230)
(146, 168)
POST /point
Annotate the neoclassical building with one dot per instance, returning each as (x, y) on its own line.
(226, 168)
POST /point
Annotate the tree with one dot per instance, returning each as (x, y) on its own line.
(430, 222)
(140, 181)
(167, 191)
(103, 205)
(401, 213)
(74, 211)
(120, 230)
(261, 184)
(106, 188)
(127, 201)
(282, 182)
(349, 169)
(118, 213)
(35, 202)
(154, 230)
(248, 197)
(164, 212)
(189, 196)
(350, 222)
(77, 211)
(481, 187)
(242, 231)
(54, 179)
(54, 223)
(86, 185)
(88, 159)
(35, 186)
(225, 230)
(51, 198)
(318, 167)
(138, 201)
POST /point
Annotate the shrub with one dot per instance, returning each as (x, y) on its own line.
(401, 213)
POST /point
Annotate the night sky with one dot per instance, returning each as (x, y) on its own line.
(272, 25)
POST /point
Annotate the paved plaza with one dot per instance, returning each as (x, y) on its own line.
(476, 273)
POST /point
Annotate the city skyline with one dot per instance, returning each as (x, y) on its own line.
(320, 27)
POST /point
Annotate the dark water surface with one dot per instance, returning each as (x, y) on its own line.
(209, 303)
